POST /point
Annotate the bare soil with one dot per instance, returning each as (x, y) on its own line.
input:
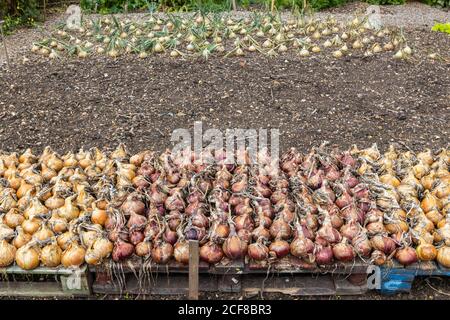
(70, 104)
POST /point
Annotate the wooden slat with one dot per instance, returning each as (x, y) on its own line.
(193, 269)
(40, 270)
(292, 285)
(345, 287)
(38, 289)
(160, 284)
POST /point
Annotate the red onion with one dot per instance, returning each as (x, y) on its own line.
(344, 200)
(173, 177)
(240, 185)
(162, 252)
(324, 255)
(261, 232)
(278, 196)
(211, 252)
(383, 243)
(301, 246)
(262, 190)
(245, 235)
(181, 251)
(406, 256)
(332, 173)
(244, 221)
(329, 233)
(343, 251)
(136, 221)
(198, 219)
(117, 234)
(243, 208)
(220, 231)
(122, 250)
(280, 229)
(315, 180)
(360, 191)
(279, 248)
(136, 236)
(350, 181)
(170, 236)
(133, 204)
(234, 247)
(350, 230)
(195, 196)
(174, 220)
(347, 160)
(362, 245)
(174, 202)
(195, 233)
(157, 197)
(152, 229)
(146, 170)
(235, 200)
(258, 251)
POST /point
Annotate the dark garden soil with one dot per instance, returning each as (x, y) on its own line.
(69, 104)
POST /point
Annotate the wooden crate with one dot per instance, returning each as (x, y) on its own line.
(45, 282)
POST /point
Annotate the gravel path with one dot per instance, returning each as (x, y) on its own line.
(411, 15)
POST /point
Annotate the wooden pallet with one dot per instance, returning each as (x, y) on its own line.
(289, 275)
(44, 282)
(396, 278)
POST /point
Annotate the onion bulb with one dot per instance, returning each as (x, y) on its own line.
(426, 252)
(27, 257)
(234, 247)
(21, 238)
(181, 251)
(443, 256)
(406, 255)
(51, 255)
(279, 248)
(258, 251)
(73, 256)
(7, 253)
(162, 252)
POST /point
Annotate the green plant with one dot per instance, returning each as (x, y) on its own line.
(385, 1)
(439, 3)
(18, 13)
(442, 27)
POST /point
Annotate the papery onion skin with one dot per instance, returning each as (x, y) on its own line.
(279, 248)
(143, 249)
(258, 251)
(234, 247)
(122, 250)
(181, 252)
(426, 252)
(342, 251)
(323, 255)
(443, 256)
(301, 247)
(211, 252)
(27, 257)
(7, 253)
(406, 256)
(51, 255)
(73, 256)
(162, 252)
